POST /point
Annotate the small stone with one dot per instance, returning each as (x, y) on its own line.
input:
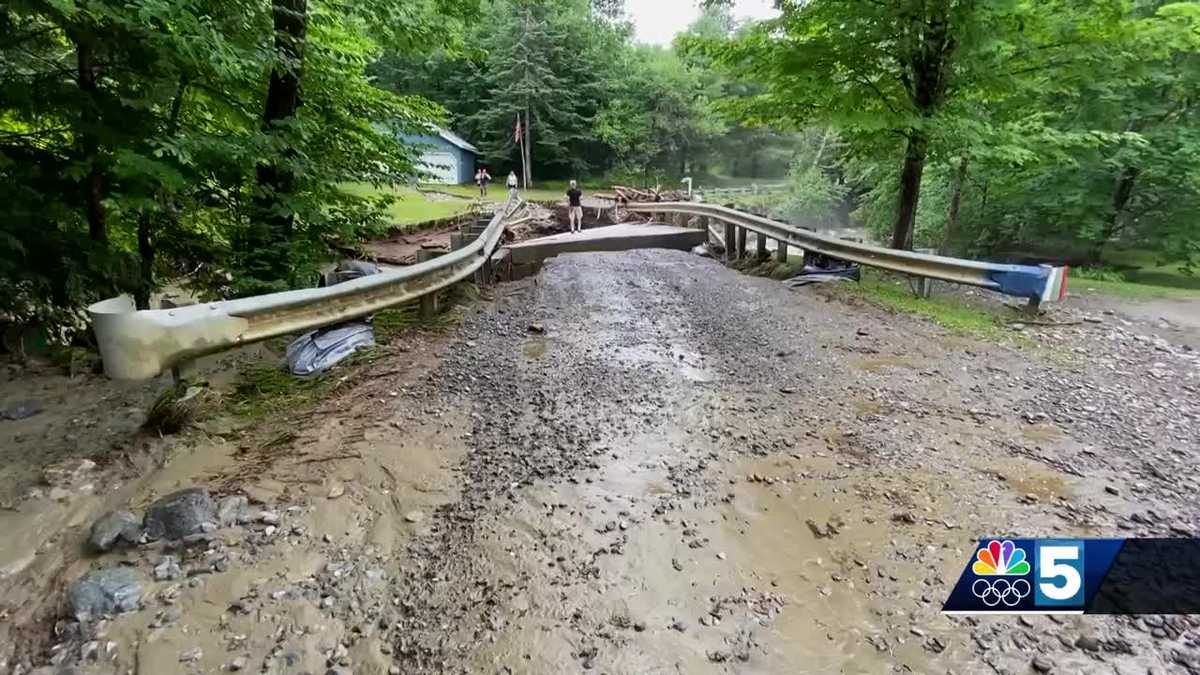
(639, 626)
(180, 514)
(238, 663)
(787, 390)
(108, 591)
(537, 329)
(268, 518)
(114, 528)
(167, 569)
(191, 655)
(337, 490)
(1088, 643)
(721, 556)
(679, 626)
(20, 410)
(1042, 664)
(1111, 490)
(233, 510)
(414, 516)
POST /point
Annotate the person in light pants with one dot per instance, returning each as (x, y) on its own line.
(575, 207)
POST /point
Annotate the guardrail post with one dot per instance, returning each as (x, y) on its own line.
(760, 246)
(730, 242)
(703, 223)
(741, 242)
(429, 303)
(457, 241)
(781, 251)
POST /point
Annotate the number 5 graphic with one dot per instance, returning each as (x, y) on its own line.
(1059, 573)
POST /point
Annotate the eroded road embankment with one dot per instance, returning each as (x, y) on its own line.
(648, 463)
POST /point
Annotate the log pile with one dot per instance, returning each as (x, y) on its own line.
(625, 195)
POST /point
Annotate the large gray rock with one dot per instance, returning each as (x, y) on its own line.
(233, 510)
(115, 528)
(108, 591)
(180, 514)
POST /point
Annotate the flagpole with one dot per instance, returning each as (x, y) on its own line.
(521, 148)
(527, 150)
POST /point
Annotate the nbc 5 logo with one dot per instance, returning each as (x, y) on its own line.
(1059, 566)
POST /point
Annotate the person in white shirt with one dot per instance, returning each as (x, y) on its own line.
(512, 184)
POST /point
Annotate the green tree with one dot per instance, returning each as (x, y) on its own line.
(133, 141)
(660, 119)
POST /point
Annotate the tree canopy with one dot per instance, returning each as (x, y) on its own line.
(987, 124)
(209, 143)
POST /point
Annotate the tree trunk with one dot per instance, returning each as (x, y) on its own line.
(90, 117)
(951, 240)
(145, 285)
(910, 191)
(1122, 193)
(145, 227)
(270, 231)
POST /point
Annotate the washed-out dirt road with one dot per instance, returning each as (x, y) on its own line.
(648, 463)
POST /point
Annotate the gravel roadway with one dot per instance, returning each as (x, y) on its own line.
(672, 467)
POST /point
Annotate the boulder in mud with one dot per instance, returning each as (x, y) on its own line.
(233, 510)
(115, 528)
(105, 592)
(180, 514)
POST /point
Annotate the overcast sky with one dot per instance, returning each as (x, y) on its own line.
(659, 21)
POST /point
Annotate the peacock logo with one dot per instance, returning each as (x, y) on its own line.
(1000, 559)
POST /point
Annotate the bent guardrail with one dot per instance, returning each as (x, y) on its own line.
(139, 345)
(1037, 283)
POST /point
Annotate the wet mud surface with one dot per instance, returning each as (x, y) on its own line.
(646, 462)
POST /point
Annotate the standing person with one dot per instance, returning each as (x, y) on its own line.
(575, 207)
(512, 184)
(482, 177)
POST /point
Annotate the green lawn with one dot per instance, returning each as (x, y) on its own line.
(1136, 273)
(497, 192)
(412, 207)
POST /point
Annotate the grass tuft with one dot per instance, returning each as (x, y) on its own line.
(269, 389)
(949, 311)
(178, 408)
